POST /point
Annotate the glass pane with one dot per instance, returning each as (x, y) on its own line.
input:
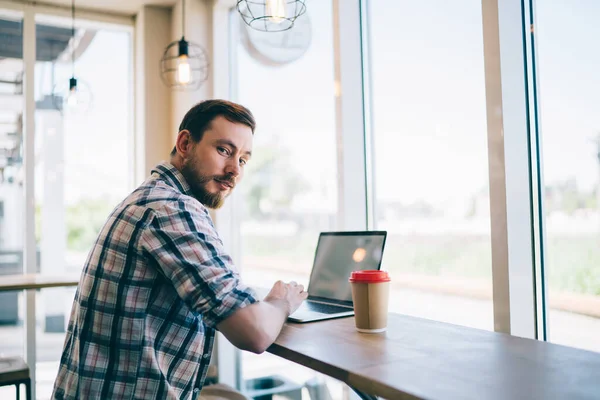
(82, 160)
(288, 197)
(12, 193)
(431, 167)
(570, 134)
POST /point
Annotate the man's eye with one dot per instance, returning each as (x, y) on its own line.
(243, 162)
(223, 150)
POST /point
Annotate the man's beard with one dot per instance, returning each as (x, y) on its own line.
(198, 183)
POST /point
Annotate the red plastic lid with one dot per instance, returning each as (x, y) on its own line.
(369, 276)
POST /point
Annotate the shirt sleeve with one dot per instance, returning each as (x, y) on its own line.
(183, 242)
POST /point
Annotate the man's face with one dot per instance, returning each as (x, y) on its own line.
(216, 163)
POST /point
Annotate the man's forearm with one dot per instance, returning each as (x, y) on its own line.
(255, 327)
(274, 316)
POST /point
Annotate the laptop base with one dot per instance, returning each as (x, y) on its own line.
(310, 316)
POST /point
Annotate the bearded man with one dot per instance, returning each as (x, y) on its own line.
(158, 283)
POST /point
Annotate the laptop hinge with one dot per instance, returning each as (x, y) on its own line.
(330, 303)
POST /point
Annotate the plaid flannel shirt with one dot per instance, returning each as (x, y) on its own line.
(155, 285)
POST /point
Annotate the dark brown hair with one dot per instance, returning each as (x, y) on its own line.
(197, 120)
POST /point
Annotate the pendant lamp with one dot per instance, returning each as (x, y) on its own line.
(271, 15)
(184, 65)
(74, 97)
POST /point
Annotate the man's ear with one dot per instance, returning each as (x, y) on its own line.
(184, 143)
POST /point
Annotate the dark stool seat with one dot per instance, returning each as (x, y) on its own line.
(15, 371)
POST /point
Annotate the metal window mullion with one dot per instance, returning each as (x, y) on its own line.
(537, 178)
(29, 250)
(509, 155)
(365, 24)
(353, 210)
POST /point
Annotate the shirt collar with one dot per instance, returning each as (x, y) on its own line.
(173, 177)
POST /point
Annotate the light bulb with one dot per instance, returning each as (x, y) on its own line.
(184, 71)
(276, 10)
(72, 100)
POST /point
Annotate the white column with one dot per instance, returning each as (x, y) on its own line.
(355, 172)
(509, 168)
(153, 133)
(353, 185)
(53, 224)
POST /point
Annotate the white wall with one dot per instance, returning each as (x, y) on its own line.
(159, 110)
(153, 100)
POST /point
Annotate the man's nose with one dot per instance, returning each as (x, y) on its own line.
(233, 168)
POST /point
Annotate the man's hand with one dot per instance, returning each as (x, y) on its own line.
(287, 295)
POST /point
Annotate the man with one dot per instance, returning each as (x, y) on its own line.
(158, 282)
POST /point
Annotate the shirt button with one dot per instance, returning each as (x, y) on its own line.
(205, 356)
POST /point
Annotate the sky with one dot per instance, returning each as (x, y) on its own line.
(570, 89)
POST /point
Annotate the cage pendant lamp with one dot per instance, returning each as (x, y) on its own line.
(184, 65)
(271, 15)
(74, 97)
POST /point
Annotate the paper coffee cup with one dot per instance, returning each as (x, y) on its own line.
(370, 295)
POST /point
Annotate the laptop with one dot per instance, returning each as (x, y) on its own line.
(336, 256)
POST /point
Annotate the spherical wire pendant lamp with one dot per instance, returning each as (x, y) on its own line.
(271, 15)
(74, 97)
(184, 65)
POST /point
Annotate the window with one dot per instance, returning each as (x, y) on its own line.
(430, 158)
(289, 190)
(570, 136)
(289, 193)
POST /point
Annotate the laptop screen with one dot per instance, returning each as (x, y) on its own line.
(337, 255)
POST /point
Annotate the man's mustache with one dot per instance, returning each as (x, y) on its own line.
(227, 179)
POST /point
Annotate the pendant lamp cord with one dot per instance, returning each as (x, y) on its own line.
(73, 36)
(182, 18)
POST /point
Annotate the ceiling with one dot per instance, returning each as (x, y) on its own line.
(51, 41)
(122, 7)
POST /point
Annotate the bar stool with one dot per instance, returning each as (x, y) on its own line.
(14, 371)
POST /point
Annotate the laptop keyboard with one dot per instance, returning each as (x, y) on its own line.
(324, 308)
